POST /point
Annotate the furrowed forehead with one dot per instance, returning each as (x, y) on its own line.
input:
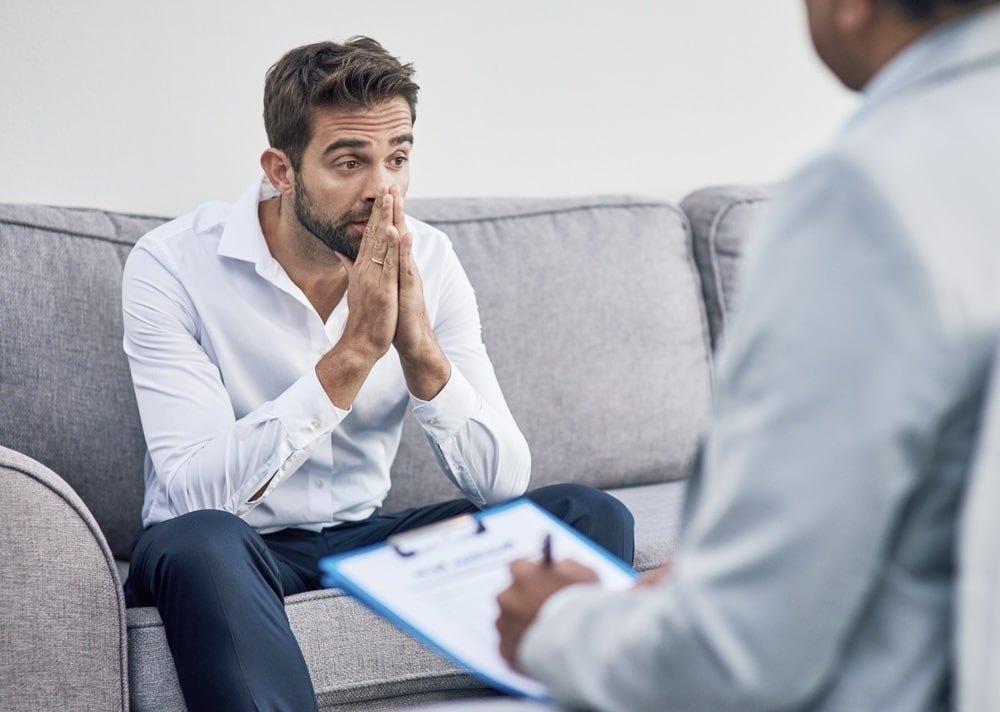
(388, 123)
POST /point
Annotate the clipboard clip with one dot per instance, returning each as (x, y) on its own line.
(413, 542)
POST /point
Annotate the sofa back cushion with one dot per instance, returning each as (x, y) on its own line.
(66, 397)
(592, 314)
(721, 221)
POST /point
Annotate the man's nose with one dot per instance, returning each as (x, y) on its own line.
(378, 182)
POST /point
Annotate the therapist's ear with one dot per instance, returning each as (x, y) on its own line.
(278, 169)
(854, 17)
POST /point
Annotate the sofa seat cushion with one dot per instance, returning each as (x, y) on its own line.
(357, 660)
(657, 512)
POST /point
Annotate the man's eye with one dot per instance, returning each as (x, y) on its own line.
(399, 160)
(350, 165)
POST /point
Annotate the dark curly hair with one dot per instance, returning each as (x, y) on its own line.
(358, 74)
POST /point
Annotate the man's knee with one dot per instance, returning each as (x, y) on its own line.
(592, 512)
(583, 500)
(201, 534)
(197, 546)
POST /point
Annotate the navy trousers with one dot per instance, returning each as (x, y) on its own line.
(220, 587)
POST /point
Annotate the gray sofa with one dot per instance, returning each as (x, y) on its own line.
(600, 315)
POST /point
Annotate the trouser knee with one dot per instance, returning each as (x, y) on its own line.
(195, 548)
(594, 513)
(219, 594)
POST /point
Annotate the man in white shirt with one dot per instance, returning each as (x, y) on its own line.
(816, 566)
(275, 346)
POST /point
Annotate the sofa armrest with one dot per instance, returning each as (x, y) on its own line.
(62, 611)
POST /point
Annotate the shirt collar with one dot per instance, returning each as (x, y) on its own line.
(242, 237)
(945, 50)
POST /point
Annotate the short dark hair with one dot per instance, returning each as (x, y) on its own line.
(358, 74)
(927, 9)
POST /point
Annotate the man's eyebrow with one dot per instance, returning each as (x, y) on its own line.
(361, 143)
(345, 143)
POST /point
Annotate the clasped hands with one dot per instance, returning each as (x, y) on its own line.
(385, 295)
(385, 299)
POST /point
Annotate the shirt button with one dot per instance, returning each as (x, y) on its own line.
(314, 424)
(318, 484)
(432, 421)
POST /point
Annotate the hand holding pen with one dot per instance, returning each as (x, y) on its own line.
(532, 583)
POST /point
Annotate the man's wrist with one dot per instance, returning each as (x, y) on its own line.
(343, 370)
(426, 371)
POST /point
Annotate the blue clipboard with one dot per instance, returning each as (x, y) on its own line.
(439, 583)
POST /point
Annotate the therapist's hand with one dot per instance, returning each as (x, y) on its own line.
(532, 584)
(654, 577)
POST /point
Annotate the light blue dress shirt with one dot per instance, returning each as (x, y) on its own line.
(816, 566)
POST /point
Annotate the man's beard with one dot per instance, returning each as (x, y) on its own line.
(336, 236)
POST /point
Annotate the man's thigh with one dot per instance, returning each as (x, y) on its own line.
(298, 551)
(595, 514)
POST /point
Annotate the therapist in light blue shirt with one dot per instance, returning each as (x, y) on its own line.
(816, 569)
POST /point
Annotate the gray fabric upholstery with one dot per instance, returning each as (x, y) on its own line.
(356, 659)
(721, 220)
(347, 669)
(65, 394)
(152, 677)
(593, 314)
(62, 613)
(978, 618)
(508, 705)
(589, 308)
(657, 512)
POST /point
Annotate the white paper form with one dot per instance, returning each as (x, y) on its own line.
(440, 583)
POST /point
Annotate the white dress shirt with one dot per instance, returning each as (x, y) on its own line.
(223, 346)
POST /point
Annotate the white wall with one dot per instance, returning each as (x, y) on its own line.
(155, 107)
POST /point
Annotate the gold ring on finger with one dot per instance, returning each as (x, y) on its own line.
(378, 261)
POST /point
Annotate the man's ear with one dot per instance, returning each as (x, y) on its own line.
(278, 169)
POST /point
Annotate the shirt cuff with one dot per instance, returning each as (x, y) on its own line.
(306, 412)
(450, 409)
(534, 652)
